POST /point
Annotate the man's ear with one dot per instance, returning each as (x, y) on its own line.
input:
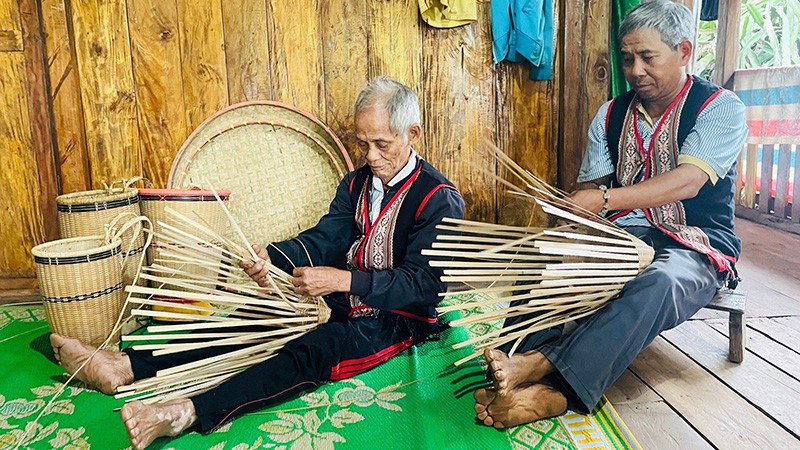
(414, 133)
(685, 48)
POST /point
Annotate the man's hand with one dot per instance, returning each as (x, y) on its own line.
(314, 281)
(589, 199)
(257, 270)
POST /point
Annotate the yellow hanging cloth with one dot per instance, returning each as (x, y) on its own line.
(448, 13)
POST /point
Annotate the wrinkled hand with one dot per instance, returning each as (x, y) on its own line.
(257, 270)
(314, 281)
(589, 199)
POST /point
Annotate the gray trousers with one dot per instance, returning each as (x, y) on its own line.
(676, 285)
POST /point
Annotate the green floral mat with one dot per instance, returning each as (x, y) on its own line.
(417, 400)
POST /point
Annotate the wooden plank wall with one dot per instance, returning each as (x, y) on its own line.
(125, 82)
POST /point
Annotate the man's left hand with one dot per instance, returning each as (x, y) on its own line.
(589, 199)
(314, 281)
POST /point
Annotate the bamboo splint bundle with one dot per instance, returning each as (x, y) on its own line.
(271, 317)
(555, 275)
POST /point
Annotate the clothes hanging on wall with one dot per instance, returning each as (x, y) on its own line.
(522, 30)
(710, 10)
(448, 13)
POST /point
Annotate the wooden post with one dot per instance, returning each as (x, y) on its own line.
(727, 42)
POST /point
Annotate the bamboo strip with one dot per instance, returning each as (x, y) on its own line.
(588, 254)
(238, 323)
(175, 336)
(192, 307)
(588, 237)
(587, 273)
(509, 256)
(578, 281)
(234, 340)
(227, 298)
(629, 249)
(174, 315)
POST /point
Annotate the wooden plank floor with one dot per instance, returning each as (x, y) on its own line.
(682, 392)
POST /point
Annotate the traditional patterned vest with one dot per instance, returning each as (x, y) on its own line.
(703, 223)
(381, 245)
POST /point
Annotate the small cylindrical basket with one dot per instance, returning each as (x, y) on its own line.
(194, 203)
(87, 213)
(82, 287)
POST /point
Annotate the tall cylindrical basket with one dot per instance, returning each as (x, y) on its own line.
(82, 287)
(87, 213)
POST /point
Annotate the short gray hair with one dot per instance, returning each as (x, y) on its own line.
(396, 98)
(672, 20)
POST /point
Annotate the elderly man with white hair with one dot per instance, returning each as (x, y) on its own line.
(660, 163)
(383, 296)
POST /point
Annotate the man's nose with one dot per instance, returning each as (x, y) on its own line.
(372, 153)
(637, 68)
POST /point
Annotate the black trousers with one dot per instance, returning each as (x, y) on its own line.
(339, 349)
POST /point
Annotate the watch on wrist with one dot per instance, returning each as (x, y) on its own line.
(604, 188)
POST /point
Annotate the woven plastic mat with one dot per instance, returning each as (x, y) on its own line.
(281, 164)
(417, 400)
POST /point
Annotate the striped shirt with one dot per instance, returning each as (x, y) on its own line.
(713, 144)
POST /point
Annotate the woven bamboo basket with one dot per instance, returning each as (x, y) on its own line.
(282, 163)
(87, 213)
(82, 286)
(195, 203)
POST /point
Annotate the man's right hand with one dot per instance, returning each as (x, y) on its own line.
(257, 270)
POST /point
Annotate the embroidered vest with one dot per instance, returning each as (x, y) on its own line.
(382, 244)
(703, 223)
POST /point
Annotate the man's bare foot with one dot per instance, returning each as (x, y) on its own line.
(145, 423)
(522, 405)
(105, 371)
(511, 372)
(483, 398)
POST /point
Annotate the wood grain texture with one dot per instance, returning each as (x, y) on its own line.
(205, 84)
(156, 56)
(764, 191)
(65, 97)
(765, 347)
(395, 41)
(722, 416)
(651, 420)
(727, 51)
(20, 215)
(585, 80)
(750, 187)
(296, 56)
(524, 114)
(10, 27)
(344, 52)
(246, 50)
(102, 46)
(762, 384)
(458, 119)
(36, 85)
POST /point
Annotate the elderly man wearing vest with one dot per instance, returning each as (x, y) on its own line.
(661, 163)
(383, 296)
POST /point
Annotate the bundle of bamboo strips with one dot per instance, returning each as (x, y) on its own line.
(255, 321)
(555, 275)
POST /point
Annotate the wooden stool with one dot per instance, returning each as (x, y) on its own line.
(733, 302)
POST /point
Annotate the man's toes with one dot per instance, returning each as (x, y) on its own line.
(483, 415)
(488, 421)
(498, 425)
(484, 396)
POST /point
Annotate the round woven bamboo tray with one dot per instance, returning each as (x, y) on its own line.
(81, 284)
(86, 213)
(282, 164)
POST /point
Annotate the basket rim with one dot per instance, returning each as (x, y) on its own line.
(154, 192)
(186, 144)
(43, 250)
(96, 196)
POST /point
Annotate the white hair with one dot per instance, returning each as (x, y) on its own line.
(397, 99)
(673, 21)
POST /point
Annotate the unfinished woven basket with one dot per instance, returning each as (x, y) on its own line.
(82, 287)
(195, 203)
(87, 213)
(282, 164)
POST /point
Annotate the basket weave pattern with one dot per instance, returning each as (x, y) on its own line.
(86, 214)
(154, 204)
(282, 165)
(82, 286)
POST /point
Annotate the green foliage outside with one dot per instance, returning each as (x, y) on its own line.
(769, 37)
